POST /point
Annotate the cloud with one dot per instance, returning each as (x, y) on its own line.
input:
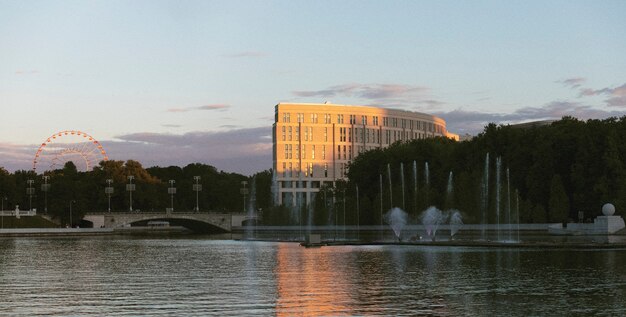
(171, 125)
(251, 54)
(17, 157)
(241, 150)
(220, 107)
(386, 95)
(245, 151)
(573, 83)
(616, 96)
(464, 121)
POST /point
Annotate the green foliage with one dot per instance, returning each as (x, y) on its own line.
(84, 191)
(566, 167)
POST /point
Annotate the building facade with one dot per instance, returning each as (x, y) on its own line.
(313, 143)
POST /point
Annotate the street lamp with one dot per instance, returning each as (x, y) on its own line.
(197, 188)
(172, 190)
(71, 202)
(244, 192)
(109, 190)
(45, 187)
(30, 191)
(130, 187)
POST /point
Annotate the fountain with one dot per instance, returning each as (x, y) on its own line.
(402, 182)
(390, 188)
(485, 197)
(251, 210)
(456, 221)
(508, 203)
(498, 166)
(396, 218)
(431, 219)
(414, 187)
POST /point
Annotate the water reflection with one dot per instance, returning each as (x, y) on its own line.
(202, 277)
(309, 284)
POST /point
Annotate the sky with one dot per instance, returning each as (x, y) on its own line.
(177, 82)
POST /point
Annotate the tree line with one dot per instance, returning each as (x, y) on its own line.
(85, 191)
(554, 172)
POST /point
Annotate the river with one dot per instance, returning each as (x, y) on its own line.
(200, 276)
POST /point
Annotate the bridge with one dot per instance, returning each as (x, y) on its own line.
(195, 221)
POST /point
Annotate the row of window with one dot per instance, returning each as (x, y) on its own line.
(290, 171)
(302, 150)
(353, 119)
(289, 133)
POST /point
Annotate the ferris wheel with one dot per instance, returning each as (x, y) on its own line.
(70, 145)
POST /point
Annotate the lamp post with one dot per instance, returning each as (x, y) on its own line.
(197, 188)
(44, 188)
(172, 190)
(71, 202)
(109, 190)
(244, 192)
(130, 187)
(30, 191)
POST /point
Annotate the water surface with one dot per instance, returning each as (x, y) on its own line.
(122, 276)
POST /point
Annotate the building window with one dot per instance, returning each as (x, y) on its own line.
(325, 169)
(314, 118)
(344, 152)
(303, 151)
(289, 133)
(340, 119)
(297, 133)
(385, 121)
(306, 133)
(352, 119)
(364, 120)
(284, 169)
(327, 118)
(375, 120)
(290, 170)
(286, 117)
(339, 152)
(283, 129)
(350, 152)
(300, 117)
(313, 152)
(323, 152)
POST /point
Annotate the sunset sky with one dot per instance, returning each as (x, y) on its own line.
(177, 82)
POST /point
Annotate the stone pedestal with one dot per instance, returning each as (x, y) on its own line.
(608, 224)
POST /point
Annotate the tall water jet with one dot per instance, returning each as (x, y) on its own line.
(402, 182)
(426, 181)
(449, 191)
(498, 166)
(390, 188)
(431, 219)
(456, 221)
(381, 198)
(415, 187)
(508, 203)
(396, 218)
(485, 196)
(517, 212)
(251, 209)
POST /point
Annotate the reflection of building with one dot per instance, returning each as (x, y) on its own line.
(313, 143)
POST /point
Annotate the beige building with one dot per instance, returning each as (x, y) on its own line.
(313, 143)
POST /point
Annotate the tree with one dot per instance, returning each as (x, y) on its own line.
(559, 202)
